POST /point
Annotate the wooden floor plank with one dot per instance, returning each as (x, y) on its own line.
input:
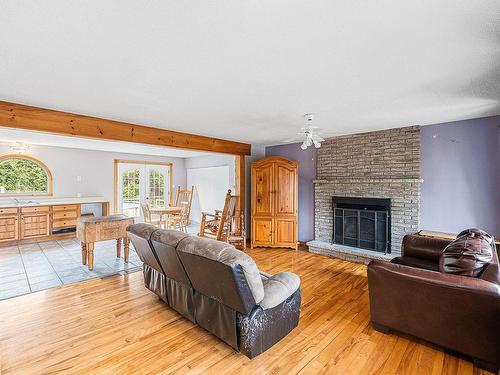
(116, 326)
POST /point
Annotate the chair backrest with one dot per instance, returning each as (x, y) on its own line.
(227, 213)
(146, 212)
(183, 199)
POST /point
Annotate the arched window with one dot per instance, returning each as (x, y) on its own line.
(24, 175)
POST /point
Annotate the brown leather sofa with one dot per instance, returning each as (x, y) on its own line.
(218, 287)
(461, 313)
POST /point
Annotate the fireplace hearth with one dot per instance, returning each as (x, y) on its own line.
(363, 223)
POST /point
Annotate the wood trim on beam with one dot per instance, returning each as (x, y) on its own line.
(239, 175)
(26, 117)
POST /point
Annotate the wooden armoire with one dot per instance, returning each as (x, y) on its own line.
(275, 203)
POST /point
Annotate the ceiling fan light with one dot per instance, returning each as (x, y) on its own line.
(303, 146)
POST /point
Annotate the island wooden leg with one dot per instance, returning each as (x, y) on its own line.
(118, 247)
(126, 248)
(84, 253)
(90, 255)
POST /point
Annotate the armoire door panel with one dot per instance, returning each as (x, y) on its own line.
(262, 229)
(285, 190)
(284, 230)
(262, 185)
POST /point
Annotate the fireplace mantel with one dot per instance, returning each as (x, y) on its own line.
(365, 180)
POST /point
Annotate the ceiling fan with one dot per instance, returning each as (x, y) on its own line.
(309, 134)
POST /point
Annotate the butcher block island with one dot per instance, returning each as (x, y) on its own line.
(45, 219)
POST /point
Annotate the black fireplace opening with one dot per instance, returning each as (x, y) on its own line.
(362, 222)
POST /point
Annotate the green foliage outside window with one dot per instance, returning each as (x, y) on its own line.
(19, 176)
(130, 183)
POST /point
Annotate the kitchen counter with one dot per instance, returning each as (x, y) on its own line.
(33, 201)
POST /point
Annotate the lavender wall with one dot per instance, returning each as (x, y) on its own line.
(460, 165)
(307, 173)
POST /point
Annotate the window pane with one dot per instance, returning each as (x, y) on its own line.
(18, 176)
(131, 193)
(156, 189)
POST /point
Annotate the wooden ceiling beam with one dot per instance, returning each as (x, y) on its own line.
(26, 117)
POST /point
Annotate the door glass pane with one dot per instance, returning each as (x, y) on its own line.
(131, 192)
(156, 193)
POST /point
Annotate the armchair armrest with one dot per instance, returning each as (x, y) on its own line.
(423, 247)
(278, 288)
(458, 312)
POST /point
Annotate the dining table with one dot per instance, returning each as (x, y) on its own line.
(166, 211)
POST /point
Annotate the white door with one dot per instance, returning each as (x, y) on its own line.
(142, 184)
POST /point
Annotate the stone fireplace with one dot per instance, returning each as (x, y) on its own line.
(368, 178)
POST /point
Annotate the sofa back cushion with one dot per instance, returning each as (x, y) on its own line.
(164, 244)
(216, 269)
(468, 254)
(140, 235)
(428, 248)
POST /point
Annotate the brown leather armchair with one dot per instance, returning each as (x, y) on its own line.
(460, 313)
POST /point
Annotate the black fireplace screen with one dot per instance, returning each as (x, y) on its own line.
(362, 222)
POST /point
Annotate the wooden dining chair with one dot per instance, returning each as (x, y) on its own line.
(183, 199)
(148, 217)
(218, 224)
(236, 235)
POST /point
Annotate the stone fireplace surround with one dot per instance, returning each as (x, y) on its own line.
(382, 164)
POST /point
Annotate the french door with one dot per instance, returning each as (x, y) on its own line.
(139, 183)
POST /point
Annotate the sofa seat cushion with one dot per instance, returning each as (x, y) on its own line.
(278, 288)
(469, 254)
(423, 263)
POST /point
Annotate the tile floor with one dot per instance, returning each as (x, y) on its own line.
(37, 266)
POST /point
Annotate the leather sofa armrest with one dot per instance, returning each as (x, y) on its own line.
(278, 288)
(423, 247)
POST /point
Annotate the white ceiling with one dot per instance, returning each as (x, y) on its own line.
(248, 70)
(12, 136)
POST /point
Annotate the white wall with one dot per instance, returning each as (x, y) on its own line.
(197, 168)
(211, 185)
(96, 169)
(213, 161)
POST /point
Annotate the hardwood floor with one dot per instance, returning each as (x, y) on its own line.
(116, 326)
